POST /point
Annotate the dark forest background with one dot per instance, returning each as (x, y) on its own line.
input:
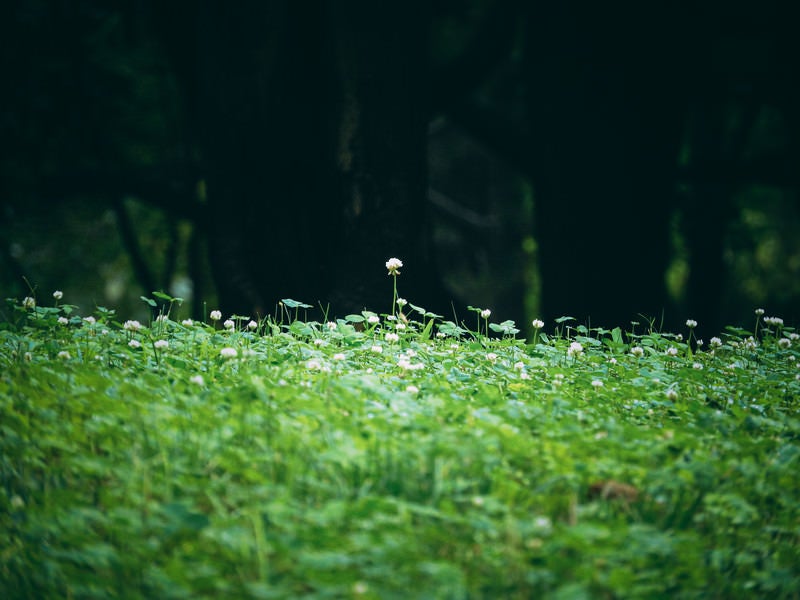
(598, 160)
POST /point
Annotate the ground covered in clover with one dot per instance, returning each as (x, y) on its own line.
(393, 455)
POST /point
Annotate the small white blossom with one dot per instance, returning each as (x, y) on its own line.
(229, 324)
(331, 325)
(252, 325)
(28, 302)
(64, 355)
(187, 322)
(612, 361)
(376, 349)
(215, 315)
(637, 351)
(715, 342)
(196, 379)
(697, 366)
(319, 342)
(28, 356)
(392, 337)
(338, 356)
(699, 343)
(135, 344)
(575, 349)
(161, 344)
(671, 394)
(393, 265)
(400, 326)
(750, 343)
(537, 323)
(794, 336)
(401, 302)
(411, 353)
(759, 312)
(524, 375)
(89, 320)
(679, 337)
(228, 352)
(519, 366)
(412, 389)
(784, 343)
(486, 313)
(671, 351)
(441, 335)
(491, 357)
(58, 294)
(777, 321)
(373, 319)
(691, 323)
(132, 325)
(162, 318)
(313, 365)
(597, 383)
(63, 321)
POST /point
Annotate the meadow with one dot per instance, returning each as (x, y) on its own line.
(393, 455)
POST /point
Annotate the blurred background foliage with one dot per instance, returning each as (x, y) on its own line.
(104, 188)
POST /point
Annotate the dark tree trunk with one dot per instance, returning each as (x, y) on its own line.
(605, 125)
(314, 150)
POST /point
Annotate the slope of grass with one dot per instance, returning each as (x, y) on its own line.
(380, 457)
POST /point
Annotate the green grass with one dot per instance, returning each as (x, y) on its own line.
(451, 464)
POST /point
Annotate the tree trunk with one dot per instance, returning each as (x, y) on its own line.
(605, 121)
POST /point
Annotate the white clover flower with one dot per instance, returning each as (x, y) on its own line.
(401, 302)
(637, 351)
(338, 356)
(64, 355)
(784, 343)
(135, 344)
(251, 325)
(759, 312)
(697, 366)
(777, 321)
(313, 365)
(486, 313)
(319, 342)
(477, 501)
(215, 315)
(58, 294)
(228, 352)
(537, 323)
(412, 389)
(373, 319)
(524, 375)
(597, 383)
(715, 342)
(392, 337)
(162, 318)
(161, 344)
(187, 322)
(691, 323)
(750, 343)
(28, 302)
(393, 265)
(132, 325)
(104, 332)
(196, 379)
(28, 356)
(794, 336)
(679, 337)
(229, 324)
(699, 343)
(411, 353)
(89, 320)
(575, 349)
(671, 351)
(671, 394)
(360, 588)
(331, 325)
(441, 335)
(612, 361)
(400, 326)
(63, 321)
(519, 366)
(491, 357)
(376, 349)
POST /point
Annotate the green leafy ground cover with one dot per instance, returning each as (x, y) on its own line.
(372, 457)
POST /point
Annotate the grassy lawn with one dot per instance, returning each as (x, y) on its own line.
(393, 456)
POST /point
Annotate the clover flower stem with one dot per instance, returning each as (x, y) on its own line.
(394, 294)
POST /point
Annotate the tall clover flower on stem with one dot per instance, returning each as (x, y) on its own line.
(393, 266)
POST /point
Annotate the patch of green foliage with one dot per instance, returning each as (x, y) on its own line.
(395, 456)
